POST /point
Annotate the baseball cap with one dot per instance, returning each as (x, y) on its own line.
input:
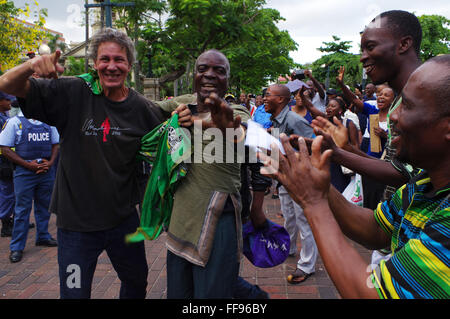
(4, 96)
(332, 92)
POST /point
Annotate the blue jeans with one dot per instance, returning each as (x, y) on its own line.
(78, 253)
(6, 198)
(29, 186)
(245, 290)
(216, 280)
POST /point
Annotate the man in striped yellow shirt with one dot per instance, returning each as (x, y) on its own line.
(415, 222)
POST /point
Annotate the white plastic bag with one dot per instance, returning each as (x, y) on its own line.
(353, 192)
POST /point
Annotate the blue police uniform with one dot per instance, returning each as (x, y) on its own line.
(6, 188)
(32, 140)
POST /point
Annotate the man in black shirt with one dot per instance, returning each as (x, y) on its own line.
(101, 123)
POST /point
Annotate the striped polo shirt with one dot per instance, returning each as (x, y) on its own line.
(419, 224)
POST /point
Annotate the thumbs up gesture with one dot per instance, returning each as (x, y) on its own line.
(47, 66)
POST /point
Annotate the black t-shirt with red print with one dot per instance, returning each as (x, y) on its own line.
(96, 187)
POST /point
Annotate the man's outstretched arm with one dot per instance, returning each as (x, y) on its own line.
(336, 138)
(15, 81)
(307, 179)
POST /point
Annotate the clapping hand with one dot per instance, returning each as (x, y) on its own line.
(305, 177)
(338, 132)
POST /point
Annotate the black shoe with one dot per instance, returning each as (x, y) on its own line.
(47, 243)
(7, 227)
(6, 232)
(16, 256)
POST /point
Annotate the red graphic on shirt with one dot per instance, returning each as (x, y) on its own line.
(106, 128)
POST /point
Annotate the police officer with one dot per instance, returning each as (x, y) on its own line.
(36, 148)
(6, 175)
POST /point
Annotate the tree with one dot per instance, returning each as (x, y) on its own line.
(337, 46)
(435, 36)
(16, 37)
(261, 54)
(242, 29)
(338, 56)
(73, 66)
(54, 43)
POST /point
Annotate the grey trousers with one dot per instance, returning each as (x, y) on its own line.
(295, 222)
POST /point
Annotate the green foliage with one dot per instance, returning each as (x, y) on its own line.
(54, 43)
(242, 29)
(73, 66)
(435, 36)
(336, 46)
(338, 56)
(261, 54)
(17, 38)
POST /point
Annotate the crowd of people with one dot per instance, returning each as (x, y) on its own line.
(394, 135)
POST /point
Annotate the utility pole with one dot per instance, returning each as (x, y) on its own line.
(86, 57)
(107, 5)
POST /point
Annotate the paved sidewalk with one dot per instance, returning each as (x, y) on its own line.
(36, 276)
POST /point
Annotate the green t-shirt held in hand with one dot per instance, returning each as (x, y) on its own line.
(165, 147)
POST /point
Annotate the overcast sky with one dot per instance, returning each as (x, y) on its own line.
(309, 22)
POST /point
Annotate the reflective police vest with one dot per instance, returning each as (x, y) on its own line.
(6, 167)
(3, 119)
(35, 142)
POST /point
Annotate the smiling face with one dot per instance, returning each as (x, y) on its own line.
(333, 109)
(370, 90)
(211, 75)
(422, 127)
(112, 65)
(259, 100)
(242, 97)
(275, 99)
(379, 52)
(298, 99)
(385, 98)
(312, 88)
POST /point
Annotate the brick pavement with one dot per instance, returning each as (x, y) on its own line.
(36, 276)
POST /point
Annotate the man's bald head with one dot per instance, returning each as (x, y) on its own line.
(281, 90)
(214, 51)
(441, 89)
(276, 98)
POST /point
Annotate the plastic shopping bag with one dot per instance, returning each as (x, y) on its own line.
(354, 192)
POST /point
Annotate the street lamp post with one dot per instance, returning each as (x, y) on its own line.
(107, 5)
(364, 79)
(149, 57)
(327, 81)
